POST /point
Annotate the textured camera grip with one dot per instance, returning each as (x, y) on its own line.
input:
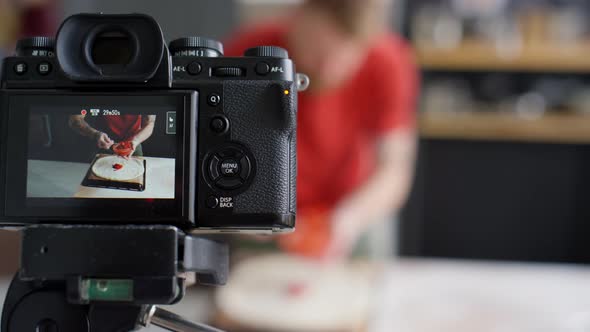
(264, 119)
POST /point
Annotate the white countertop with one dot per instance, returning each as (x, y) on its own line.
(63, 179)
(461, 296)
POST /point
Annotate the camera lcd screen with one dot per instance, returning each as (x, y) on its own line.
(101, 153)
(96, 156)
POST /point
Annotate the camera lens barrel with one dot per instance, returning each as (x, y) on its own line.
(196, 46)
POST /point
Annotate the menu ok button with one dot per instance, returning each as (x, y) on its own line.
(229, 167)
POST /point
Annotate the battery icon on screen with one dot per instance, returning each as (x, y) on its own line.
(171, 123)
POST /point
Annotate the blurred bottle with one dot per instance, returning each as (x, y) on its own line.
(534, 24)
(479, 8)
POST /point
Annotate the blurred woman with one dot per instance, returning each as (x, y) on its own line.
(356, 130)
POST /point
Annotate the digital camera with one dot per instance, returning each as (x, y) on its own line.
(106, 124)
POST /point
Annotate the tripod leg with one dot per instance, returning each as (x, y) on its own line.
(173, 322)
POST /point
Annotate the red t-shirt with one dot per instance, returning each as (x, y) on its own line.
(122, 127)
(338, 130)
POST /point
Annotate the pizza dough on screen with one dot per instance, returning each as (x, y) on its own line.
(132, 168)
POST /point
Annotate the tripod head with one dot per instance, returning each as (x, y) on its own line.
(107, 278)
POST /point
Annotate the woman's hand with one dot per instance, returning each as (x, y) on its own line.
(134, 144)
(346, 229)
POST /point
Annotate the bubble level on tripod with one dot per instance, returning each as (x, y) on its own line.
(107, 290)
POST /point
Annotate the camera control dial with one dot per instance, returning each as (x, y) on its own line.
(230, 168)
(197, 47)
(36, 46)
(267, 52)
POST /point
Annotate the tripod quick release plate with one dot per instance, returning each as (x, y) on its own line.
(105, 275)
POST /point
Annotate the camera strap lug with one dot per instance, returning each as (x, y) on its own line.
(303, 82)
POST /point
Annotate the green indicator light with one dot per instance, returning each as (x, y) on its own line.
(110, 290)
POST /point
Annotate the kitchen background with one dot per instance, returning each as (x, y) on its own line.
(504, 164)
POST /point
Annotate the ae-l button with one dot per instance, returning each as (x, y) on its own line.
(194, 68)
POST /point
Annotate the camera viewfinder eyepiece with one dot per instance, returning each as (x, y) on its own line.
(106, 48)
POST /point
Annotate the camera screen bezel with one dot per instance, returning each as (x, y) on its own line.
(18, 206)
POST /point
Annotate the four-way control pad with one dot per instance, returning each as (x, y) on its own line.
(230, 168)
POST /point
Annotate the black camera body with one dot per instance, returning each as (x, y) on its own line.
(220, 152)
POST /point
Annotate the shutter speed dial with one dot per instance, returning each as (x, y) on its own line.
(197, 47)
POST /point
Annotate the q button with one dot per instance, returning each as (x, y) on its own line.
(214, 99)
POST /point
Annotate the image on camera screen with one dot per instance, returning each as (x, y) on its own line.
(101, 153)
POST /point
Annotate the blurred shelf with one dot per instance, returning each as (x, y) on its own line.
(488, 126)
(480, 56)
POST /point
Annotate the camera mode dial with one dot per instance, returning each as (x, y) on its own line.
(36, 46)
(267, 52)
(197, 47)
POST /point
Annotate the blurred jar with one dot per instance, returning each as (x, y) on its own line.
(437, 26)
(567, 26)
(447, 96)
(480, 8)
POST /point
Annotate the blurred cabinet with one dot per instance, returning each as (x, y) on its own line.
(499, 200)
(505, 131)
